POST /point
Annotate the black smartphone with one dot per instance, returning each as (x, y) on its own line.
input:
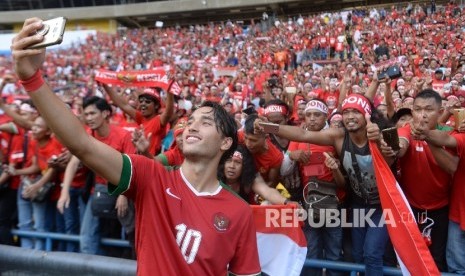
(391, 137)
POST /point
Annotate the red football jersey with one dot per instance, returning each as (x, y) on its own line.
(180, 231)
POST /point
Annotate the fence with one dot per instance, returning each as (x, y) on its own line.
(63, 263)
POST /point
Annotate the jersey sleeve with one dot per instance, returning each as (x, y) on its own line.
(245, 260)
(163, 159)
(125, 178)
(138, 172)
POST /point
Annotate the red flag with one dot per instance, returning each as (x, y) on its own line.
(405, 235)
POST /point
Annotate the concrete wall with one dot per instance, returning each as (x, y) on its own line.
(140, 9)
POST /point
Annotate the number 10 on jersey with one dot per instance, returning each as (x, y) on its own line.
(188, 241)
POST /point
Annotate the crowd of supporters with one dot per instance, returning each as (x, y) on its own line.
(296, 71)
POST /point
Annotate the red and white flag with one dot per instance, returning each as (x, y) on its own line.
(282, 247)
(404, 233)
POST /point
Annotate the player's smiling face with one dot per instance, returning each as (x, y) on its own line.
(202, 138)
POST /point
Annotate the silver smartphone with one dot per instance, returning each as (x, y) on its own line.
(269, 127)
(53, 31)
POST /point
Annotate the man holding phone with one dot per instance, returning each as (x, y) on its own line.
(426, 171)
(173, 240)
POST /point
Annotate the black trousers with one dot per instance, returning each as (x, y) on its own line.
(438, 233)
(8, 215)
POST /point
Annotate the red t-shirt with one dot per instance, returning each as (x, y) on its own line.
(120, 140)
(153, 126)
(16, 156)
(268, 160)
(424, 183)
(186, 232)
(457, 199)
(43, 154)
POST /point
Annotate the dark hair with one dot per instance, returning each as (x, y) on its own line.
(248, 173)
(430, 94)
(225, 124)
(100, 103)
(249, 124)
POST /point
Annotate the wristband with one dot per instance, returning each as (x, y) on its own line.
(34, 82)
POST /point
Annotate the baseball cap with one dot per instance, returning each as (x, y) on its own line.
(152, 93)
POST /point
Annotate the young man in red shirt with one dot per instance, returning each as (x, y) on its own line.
(455, 251)
(97, 112)
(267, 156)
(425, 181)
(147, 114)
(186, 222)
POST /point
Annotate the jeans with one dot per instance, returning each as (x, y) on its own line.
(368, 241)
(72, 216)
(7, 215)
(323, 243)
(54, 222)
(31, 216)
(90, 227)
(456, 249)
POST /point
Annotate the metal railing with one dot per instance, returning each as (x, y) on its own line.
(49, 237)
(21, 261)
(69, 263)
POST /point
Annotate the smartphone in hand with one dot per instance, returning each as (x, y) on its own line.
(391, 137)
(53, 31)
(269, 127)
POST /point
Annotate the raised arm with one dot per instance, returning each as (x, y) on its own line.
(325, 137)
(103, 159)
(120, 102)
(18, 119)
(169, 109)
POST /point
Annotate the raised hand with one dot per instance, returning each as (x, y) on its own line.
(139, 140)
(27, 61)
(330, 161)
(373, 132)
(300, 156)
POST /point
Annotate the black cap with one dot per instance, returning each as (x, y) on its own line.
(400, 113)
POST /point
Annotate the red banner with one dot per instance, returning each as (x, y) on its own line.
(144, 78)
(405, 235)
